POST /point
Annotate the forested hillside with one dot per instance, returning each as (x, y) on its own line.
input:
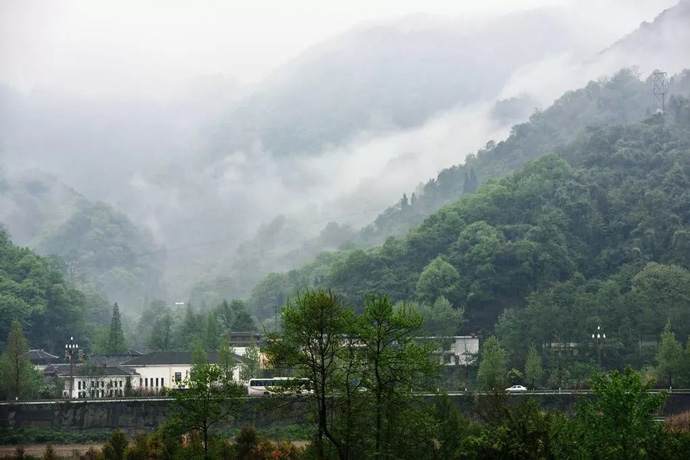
(622, 99)
(594, 235)
(50, 310)
(103, 250)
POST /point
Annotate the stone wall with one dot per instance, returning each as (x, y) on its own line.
(146, 415)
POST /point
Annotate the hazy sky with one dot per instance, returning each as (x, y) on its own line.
(99, 47)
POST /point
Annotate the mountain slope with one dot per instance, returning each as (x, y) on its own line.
(384, 77)
(618, 197)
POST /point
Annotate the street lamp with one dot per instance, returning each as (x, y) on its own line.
(599, 338)
(70, 349)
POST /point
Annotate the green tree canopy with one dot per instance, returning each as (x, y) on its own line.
(492, 365)
(438, 279)
(116, 338)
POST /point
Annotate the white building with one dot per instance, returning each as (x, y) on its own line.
(168, 369)
(93, 381)
(459, 350)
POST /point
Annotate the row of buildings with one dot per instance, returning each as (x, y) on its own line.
(110, 376)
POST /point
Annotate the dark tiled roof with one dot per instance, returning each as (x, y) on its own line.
(110, 360)
(38, 356)
(88, 371)
(171, 357)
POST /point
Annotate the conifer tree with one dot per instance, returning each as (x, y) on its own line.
(116, 339)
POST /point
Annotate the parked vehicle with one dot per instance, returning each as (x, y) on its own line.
(516, 388)
(278, 386)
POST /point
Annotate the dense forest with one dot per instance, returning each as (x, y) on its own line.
(623, 98)
(34, 291)
(595, 234)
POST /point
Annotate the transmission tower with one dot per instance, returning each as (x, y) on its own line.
(660, 88)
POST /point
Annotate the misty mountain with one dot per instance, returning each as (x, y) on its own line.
(32, 202)
(623, 98)
(336, 135)
(605, 210)
(658, 43)
(386, 77)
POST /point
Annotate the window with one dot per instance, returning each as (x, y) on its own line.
(156, 382)
(162, 382)
(140, 382)
(178, 377)
(146, 382)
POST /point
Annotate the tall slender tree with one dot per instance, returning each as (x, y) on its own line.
(15, 364)
(492, 365)
(669, 356)
(533, 367)
(116, 339)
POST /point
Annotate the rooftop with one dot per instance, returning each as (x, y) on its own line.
(159, 358)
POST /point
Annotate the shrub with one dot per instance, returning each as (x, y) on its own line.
(678, 422)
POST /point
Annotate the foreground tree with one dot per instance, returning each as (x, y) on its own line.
(314, 326)
(209, 398)
(394, 365)
(619, 425)
(15, 365)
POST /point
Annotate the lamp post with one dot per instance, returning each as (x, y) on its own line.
(599, 338)
(70, 349)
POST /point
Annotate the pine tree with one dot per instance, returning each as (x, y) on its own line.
(16, 367)
(116, 339)
(413, 199)
(211, 337)
(404, 203)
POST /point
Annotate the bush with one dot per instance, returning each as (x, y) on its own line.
(678, 422)
(50, 453)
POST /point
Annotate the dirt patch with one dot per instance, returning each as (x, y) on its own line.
(36, 450)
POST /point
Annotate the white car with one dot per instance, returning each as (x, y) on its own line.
(516, 388)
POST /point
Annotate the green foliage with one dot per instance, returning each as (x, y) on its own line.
(116, 446)
(211, 335)
(208, 398)
(533, 368)
(619, 425)
(440, 319)
(11, 436)
(252, 362)
(37, 296)
(669, 356)
(100, 247)
(16, 371)
(438, 279)
(49, 453)
(116, 338)
(492, 365)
